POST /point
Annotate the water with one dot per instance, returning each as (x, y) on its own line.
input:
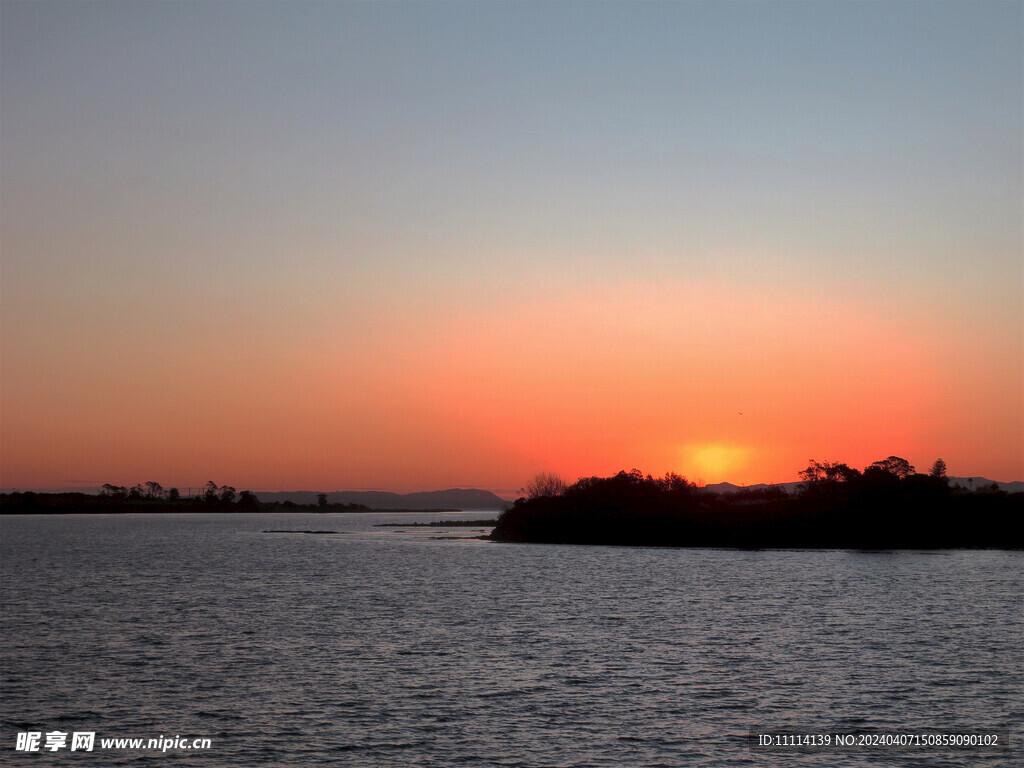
(387, 647)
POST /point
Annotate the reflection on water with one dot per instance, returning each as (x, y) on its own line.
(420, 646)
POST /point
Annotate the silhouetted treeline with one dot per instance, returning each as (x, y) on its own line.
(152, 497)
(886, 506)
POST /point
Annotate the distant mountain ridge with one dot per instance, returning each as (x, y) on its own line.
(974, 483)
(731, 488)
(451, 498)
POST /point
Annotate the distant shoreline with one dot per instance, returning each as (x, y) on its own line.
(47, 512)
(30, 503)
(15, 513)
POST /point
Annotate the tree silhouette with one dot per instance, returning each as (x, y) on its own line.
(247, 502)
(117, 492)
(544, 484)
(938, 468)
(828, 471)
(894, 465)
(210, 492)
(674, 482)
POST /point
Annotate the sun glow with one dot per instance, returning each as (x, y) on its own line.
(714, 462)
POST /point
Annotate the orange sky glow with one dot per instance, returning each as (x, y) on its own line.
(713, 381)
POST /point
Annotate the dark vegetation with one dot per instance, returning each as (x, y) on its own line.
(886, 506)
(152, 497)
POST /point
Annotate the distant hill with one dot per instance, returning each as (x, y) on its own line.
(974, 483)
(452, 498)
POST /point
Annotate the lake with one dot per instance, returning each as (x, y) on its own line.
(421, 647)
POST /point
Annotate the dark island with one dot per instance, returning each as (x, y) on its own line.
(887, 506)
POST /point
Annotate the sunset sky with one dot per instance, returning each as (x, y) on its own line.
(416, 246)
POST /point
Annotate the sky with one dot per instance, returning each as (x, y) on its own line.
(408, 246)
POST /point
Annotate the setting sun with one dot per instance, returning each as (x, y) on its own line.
(714, 462)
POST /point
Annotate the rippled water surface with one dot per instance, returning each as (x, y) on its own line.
(414, 647)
